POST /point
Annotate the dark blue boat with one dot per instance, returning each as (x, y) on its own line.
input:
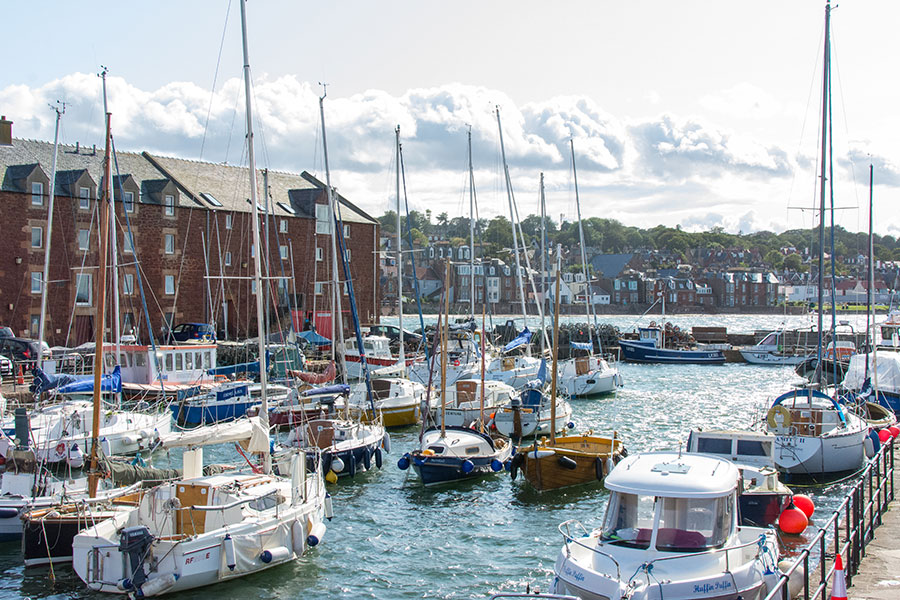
(225, 404)
(457, 453)
(648, 349)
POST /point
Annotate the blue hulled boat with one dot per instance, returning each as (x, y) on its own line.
(649, 349)
(455, 453)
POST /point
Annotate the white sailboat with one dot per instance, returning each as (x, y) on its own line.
(201, 530)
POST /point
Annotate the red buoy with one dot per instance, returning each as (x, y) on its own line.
(884, 435)
(894, 430)
(792, 520)
(804, 503)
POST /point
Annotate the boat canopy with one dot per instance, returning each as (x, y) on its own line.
(108, 383)
(674, 475)
(887, 365)
(810, 393)
(520, 340)
(314, 338)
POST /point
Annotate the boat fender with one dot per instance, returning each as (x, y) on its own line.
(329, 507)
(337, 465)
(610, 464)
(567, 463)
(517, 461)
(778, 410)
(386, 443)
(351, 465)
(378, 458)
(795, 581)
(76, 457)
(105, 446)
(158, 585)
(570, 425)
(599, 465)
(468, 466)
(316, 534)
(131, 439)
(496, 465)
(403, 463)
(275, 555)
(541, 453)
(9, 513)
(331, 477)
(228, 543)
(326, 462)
(298, 537)
(367, 458)
(872, 443)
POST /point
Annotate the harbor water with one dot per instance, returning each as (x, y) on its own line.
(391, 538)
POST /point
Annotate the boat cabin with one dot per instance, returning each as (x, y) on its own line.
(749, 448)
(805, 412)
(171, 364)
(671, 502)
(374, 345)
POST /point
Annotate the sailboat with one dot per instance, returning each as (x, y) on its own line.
(201, 530)
(590, 374)
(570, 460)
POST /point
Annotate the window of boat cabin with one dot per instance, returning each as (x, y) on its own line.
(179, 361)
(207, 360)
(694, 524)
(629, 520)
(140, 359)
(188, 361)
(714, 445)
(169, 361)
(198, 360)
(37, 193)
(754, 448)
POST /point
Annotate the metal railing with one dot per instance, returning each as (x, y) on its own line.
(853, 527)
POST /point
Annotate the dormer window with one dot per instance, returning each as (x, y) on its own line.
(128, 201)
(169, 205)
(37, 193)
(84, 198)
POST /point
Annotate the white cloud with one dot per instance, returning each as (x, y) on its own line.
(743, 100)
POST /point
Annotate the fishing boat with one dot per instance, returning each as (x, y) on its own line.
(378, 355)
(815, 437)
(771, 350)
(671, 530)
(650, 348)
(763, 495)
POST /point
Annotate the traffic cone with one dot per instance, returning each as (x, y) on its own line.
(20, 377)
(839, 585)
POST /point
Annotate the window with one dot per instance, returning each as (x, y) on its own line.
(35, 325)
(346, 288)
(128, 243)
(211, 199)
(170, 243)
(170, 285)
(347, 251)
(228, 259)
(629, 520)
(128, 284)
(83, 289)
(318, 289)
(252, 250)
(323, 219)
(283, 252)
(84, 239)
(84, 198)
(169, 206)
(37, 193)
(37, 237)
(283, 226)
(318, 254)
(128, 201)
(252, 286)
(694, 523)
(35, 282)
(229, 221)
(346, 231)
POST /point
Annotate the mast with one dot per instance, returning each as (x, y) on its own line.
(471, 228)
(60, 109)
(870, 322)
(512, 216)
(337, 336)
(555, 347)
(826, 86)
(444, 335)
(543, 266)
(402, 353)
(113, 250)
(100, 324)
(257, 261)
(584, 269)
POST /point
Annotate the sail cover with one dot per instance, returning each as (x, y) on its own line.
(520, 340)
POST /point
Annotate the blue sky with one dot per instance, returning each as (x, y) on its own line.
(691, 113)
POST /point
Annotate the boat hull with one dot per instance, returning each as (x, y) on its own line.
(767, 357)
(571, 461)
(643, 353)
(193, 415)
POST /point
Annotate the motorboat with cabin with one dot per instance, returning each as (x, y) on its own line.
(772, 350)
(650, 347)
(589, 375)
(672, 530)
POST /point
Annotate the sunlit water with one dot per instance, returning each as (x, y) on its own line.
(392, 538)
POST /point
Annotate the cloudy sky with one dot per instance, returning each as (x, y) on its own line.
(692, 113)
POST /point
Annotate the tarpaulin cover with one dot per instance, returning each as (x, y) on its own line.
(520, 340)
(108, 383)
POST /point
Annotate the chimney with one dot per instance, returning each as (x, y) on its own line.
(5, 131)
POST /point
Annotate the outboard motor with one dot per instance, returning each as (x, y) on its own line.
(134, 543)
(23, 427)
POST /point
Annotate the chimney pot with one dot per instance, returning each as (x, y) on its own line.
(5, 131)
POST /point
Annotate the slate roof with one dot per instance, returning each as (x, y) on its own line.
(610, 265)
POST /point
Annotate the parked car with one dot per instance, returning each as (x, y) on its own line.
(6, 366)
(194, 332)
(6, 332)
(392, 332)
(22, 349)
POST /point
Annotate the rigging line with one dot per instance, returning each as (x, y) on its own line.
(83, 261)
(187, 236)
(846, 124)
(212, 93)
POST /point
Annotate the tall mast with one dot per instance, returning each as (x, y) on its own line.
(587, 282)
(100, 323)
(826, 86)
(257, 260)
(512, 216)
(402, 353)
(471, 228)
(870, 316)
(338, 335)
(543, 266)
(444, 334)
(60, 109)
(555, 347)
(113, 241)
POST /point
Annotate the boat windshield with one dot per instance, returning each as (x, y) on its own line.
(629, 520)
(694, 524)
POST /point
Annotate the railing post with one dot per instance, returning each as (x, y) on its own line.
(856, 524)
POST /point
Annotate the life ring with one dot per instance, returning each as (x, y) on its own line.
(779, 410)
(61, 449)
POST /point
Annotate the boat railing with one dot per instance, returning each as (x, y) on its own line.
(565, 528)
(851, 526)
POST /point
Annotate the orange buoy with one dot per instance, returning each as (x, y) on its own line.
(884, 435)
(894, 431)
(804, 503)
(792, 520)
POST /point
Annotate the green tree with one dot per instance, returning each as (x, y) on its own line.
(774, 259)
(793, 262)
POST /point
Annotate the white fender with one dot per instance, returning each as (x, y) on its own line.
(316, 533)
(541, 453)
(230, 561)
(386, 442)
(337, 465)
(275, 555)
(298, 537)
(158, 585)
(329, 509)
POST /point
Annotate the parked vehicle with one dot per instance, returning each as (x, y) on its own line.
(190, 332)
(22, 349)
(6, 366)
(6, 332)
